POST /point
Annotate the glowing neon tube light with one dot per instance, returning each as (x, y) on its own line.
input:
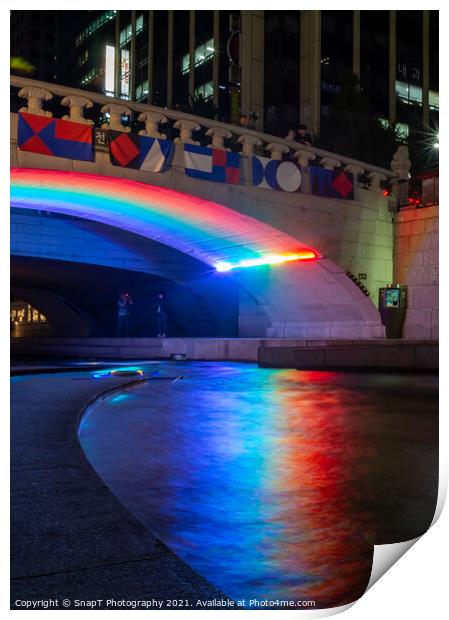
(266, 260)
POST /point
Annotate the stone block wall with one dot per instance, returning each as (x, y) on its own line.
(416, 266)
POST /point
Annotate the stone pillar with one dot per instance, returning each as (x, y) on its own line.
(152, 121)
(400, 164)
(425, 69)
(216, 58)
(303, 157)
(191, 53)
(218, 136)
(35, 97)
(150, 56)
(354, 170)
(170, 62)
(376, 179)
(249, 142)
(310, 70)
(76, 106)
(392, 68)
(115, 119)
(186, 127)
(252, 63)
(277, 149)
(329, 163)
(356, 43)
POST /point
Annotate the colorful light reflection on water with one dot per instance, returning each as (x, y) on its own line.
(273, 483)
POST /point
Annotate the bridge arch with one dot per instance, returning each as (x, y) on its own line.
(301, 298)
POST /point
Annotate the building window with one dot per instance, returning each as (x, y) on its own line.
(434, 100)
(185, 64)
(124, 73)
(83, 57)
(125, 35)
(142, 90)
(139, 23)
(95, 25)
(91, 75)
(203, 54)
(205, 90)
(408, 93)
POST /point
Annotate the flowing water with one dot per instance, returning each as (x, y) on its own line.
(273, 484)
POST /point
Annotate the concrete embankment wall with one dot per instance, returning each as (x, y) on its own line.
(416, 266)
(269, 352)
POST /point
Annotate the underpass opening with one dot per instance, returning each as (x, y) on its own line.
(82, 300)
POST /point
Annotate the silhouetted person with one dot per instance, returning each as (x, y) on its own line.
(243, 120)
(292, 135)
(304, 136)
(123, 308)
(161, 315)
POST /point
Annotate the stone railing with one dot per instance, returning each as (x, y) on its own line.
(79, 101)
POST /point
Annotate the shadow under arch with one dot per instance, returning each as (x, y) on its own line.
(301, 299)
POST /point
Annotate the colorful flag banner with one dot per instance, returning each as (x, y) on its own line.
(268, 173)
(54, 136)
(140, 152)
(208, 164)
(331, 183)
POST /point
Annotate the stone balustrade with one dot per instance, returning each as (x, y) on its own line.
(152, 122)
(79, 101)
(77, 105)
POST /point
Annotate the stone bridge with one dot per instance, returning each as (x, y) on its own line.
(83, 231)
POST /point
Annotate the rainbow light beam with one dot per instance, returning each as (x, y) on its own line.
(216, 235)
(266, 260)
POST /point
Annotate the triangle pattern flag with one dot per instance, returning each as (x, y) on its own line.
(130, 150)
(155, 155)
(331, 183)
(274, 174)
(54, 136)
(202, 162)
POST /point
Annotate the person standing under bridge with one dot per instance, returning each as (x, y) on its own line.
(123, 308)
(161, 315)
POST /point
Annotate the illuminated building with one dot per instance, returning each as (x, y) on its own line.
(285, 67)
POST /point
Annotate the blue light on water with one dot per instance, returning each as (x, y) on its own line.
(113, 371)
(261, 480)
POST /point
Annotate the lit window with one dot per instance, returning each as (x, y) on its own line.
(206, 90)
(95, 25)
(125, 35)
(185, 64)
(434, 100)
(142, 90)
(204, 52)
(408, 93)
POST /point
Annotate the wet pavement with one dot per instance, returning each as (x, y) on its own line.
(273, 483)
(70, 536)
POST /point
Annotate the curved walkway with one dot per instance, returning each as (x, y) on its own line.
(71, 538)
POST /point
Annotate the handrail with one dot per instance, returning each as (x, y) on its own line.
(275, 142)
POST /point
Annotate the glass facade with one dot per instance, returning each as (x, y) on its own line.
(281, 76)
(374, 59)
(336, 55)
(126, 54)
